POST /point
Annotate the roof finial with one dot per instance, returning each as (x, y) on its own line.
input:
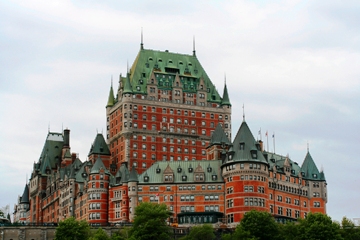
(127, 66)
(142, 43)
(225, 78)
(308, 146)
(194, 52)
(111, 80)
(49, 127)
(243, 113)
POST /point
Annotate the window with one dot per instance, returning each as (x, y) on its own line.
(230, 203)
(280, 210)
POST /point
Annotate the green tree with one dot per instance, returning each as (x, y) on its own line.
(257, 225)
(318, 226)
(122, 234)
(99, 234)
(289, 231)
(150, 222)
(204, 232)
(348, 230)
(71, 229)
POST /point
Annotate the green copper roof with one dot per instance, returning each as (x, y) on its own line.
(25, 196)
(98, 166)
(99, 146)
(111, 99)
(219, 136)
(133, 176)
(245, 138)
(67, 154)
(127, 85)
(279, 162)
(209, 168)
(309, 168)
(165, 65)
(225, 100)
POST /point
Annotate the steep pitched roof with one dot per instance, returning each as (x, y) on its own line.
(166, 64)
(309, 168)
(157, 176)
(219, 136)
(225, 99)
(99, 146)
(244, 137)
(127, 85)
(133, 176)
(111, 99)
(99, 165)
(25, 196)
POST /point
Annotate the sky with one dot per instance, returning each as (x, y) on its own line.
(292, 64)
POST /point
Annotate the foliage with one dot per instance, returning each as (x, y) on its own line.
(2, 213)
(204, 232)
(99, 234)
(72, 229)
(257, 225)
(289, 231)
(349, 231)
(150, 222)
(318, 226)
(122, 234)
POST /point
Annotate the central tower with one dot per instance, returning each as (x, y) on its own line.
(165, 109)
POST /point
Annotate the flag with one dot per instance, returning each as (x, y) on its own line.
(273, 135)
(266, 134)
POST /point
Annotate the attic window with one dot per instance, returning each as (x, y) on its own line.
(254, 154)
(170, 61)
(138, 88)
(160, 60)
(179, 169)
(190, 64)
(146, 178)
(303, 174)
(209, 169)
(230, 156)
(293, 171)
(184, 178)
(315, 175)
(242, 146)
(142, 81)
(180, 63)
(150, 59)
(158, 170)
(190, 169)
(214, 177)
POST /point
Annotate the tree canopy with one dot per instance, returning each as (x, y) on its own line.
(257, 225)
(202, 232)
(150, 222)
(71, 229)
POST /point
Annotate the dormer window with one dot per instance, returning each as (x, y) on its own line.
(214, 177)
(209, 169)
(254, 154)
(158, 170)
(190, 169)
(179, 169)
(230, 156)
(184, 178)
(303, 174)
(146, 178)
(242, 146)
(314, 175)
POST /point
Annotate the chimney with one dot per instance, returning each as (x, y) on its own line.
(66, 138)
(73, 157)
(261, 145)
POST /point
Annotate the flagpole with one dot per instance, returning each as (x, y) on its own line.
(274, 141)
(267, 140)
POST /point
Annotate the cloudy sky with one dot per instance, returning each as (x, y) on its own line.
(293, 64)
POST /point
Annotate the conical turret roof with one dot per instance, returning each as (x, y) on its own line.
(219, 136)
(111, 99)
(25, 196)
(99, 146)
(309, 168)
(225, 99)
(99, 165)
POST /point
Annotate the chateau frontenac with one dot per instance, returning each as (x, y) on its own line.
(168, 140)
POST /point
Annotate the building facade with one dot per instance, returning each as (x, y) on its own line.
(169, 141)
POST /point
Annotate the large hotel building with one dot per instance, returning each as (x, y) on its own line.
(169, 141)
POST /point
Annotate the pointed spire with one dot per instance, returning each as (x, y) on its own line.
(142, 43)
(133, 175)
(225, 99)
(194, 52)
(111, 99)
(127, 85)
(243, 107)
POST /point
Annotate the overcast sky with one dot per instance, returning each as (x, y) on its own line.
(293, 64)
